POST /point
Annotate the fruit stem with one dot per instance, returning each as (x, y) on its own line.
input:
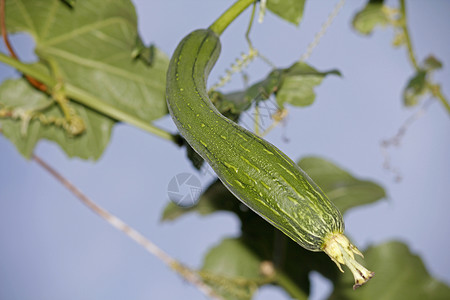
(229, 15)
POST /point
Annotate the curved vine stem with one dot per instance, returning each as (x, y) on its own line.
(188, 274)
(290, 286)
(4, 33)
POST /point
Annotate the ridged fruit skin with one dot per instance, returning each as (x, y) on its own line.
(254, 170)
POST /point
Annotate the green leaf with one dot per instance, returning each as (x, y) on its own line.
(232, 269)
(298, 83)
(372, 15)
(18, 96)
(91, 46)
(294, 85)
(290, 10)
(431, 63)
(416, 89)
(399, 274)
(344, 190)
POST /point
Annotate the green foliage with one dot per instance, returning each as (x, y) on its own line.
(290, 10)
(431, 63)
(233, 268)
(372, 15)
(415, 89)
(263, 243)
(294, 85)
(297, 86)
(91, 46)
(418, 86)
(94, 46)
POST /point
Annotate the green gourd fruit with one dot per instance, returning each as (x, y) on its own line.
(255, 171)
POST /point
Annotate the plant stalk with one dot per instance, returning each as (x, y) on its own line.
(436, 92)
(290, 286)
(230, 15)
(404, 26)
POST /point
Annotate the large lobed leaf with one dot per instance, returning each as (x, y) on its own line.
(93, 45)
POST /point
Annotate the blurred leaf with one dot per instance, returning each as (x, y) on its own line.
(297, 86)
(399, 39)
(91, 46)
(344, 190)
(263, 242)
(290, 10)
(232, 269)
(431, 63)
(399, 274)
(370, 16)
(416, 89)
(294, 85)
(19, 96)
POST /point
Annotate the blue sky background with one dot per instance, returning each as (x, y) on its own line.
(52, 247)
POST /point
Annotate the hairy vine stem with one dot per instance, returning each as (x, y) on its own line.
(188, 274)
(322, 31)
